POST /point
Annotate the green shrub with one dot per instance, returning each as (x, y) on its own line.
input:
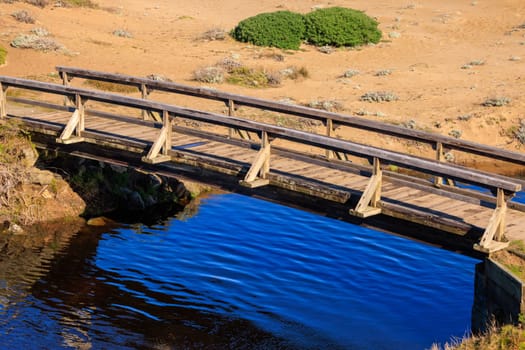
(282, 29)
(3, 55)
(338, 26)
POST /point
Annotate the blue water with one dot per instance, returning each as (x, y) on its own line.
(242, 273)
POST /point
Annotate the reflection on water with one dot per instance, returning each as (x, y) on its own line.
(240, 274)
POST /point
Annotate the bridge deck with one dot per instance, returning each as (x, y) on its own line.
(396, 200)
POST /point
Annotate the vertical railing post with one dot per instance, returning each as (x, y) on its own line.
(231, 113)
(144, 94)
(265, 144)
(65, 82)
(438, 180)
(3, 101)
(329, 130)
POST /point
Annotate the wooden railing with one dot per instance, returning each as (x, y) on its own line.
(502, 187)
(438, 142)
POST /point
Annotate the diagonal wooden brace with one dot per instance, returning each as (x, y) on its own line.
(491, 239)
(257, 175)
(368, 204)
(72, 133)
(162, 144)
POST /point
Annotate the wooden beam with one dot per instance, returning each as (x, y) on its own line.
(162, 144)
(368, 204)
(491, 239)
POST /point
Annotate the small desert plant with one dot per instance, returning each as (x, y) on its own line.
(455, 133)
(122, 33)
(3, 55)
(107, 86)
(473, 63)
(282, 29)
(213, 75)
(273, 55)
(295, 73)
(229, 64)
(496, 102)
(411, 124)
(248, 77)
(39, 3)
(36, 42)
(379, 96)
(158, 77)
(23, 16)
(338, 26)
(214, 34)
(350, 73)
(383, 72)
(78, 3)
(464, 117)
(274, 78)
(394, 35)
(520, 132)
(364, 112)
(40, 31)
(327, 105)
(327, 49)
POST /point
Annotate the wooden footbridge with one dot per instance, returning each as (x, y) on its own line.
(338, 177)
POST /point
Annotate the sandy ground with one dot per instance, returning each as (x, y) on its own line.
(425, 46)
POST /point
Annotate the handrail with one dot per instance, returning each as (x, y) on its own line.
(433, 139)
(427, 166)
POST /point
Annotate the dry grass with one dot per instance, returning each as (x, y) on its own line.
(507, 337)
(23, 16)
(36, 42)
(107, 86)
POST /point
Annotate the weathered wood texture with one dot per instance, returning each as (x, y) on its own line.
(272, 159)
(329, 118)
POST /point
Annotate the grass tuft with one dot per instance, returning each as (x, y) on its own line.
(496, 102)
(112, 87)
(212, 75)
(3, 55)
(36, 42)
(379, 96)
(23, 16)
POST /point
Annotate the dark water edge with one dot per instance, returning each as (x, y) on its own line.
(237, 273)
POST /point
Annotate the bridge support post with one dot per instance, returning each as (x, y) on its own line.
(368, 204)
(76, 124)
(3, 101)
(257, 175)
(491, 239)
(162, 144)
